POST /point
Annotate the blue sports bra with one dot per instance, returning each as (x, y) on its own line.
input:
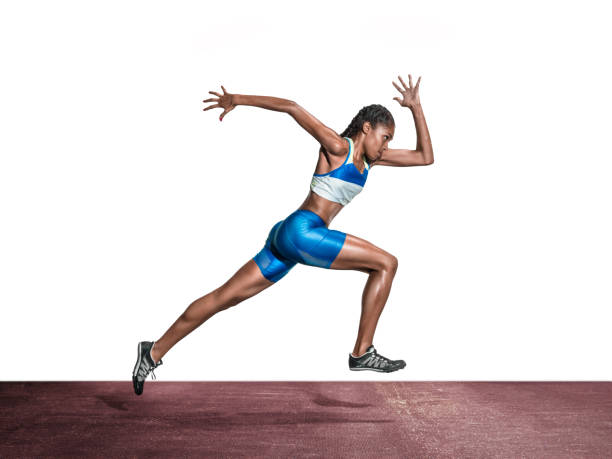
(342, 184)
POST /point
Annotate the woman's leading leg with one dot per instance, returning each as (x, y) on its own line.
(260, 272)
(245, 283)
(361, 255)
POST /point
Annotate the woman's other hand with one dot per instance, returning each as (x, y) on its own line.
(225, 101)
(410, 95)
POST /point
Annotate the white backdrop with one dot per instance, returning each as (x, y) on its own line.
(122, 201)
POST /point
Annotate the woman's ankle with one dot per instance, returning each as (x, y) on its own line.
(153, 353)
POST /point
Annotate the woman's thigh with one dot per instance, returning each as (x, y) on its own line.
(304, 238)
(245, 283)
(272, 265)
(361, 255)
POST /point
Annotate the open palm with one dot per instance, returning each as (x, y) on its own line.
(410, 95)
(224, 101)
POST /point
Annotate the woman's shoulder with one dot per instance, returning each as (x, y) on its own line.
(343, 148)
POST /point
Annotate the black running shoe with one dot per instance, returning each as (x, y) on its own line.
(372, 360)
(144, 366)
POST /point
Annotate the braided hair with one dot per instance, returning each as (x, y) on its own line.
(374, 113)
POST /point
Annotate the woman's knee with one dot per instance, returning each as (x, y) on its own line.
(391, 263)
(225, 298)
(387, 263)
(361, 255)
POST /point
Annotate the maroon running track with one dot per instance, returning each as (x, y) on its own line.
(314, 419)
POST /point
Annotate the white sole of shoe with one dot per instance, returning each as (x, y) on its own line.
(374, 369)
(135, 372)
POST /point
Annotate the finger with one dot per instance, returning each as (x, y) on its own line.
(410, 80)
(224, 91)
(215, 93)
(403, 84)
(417, 85)
(212, 106)
(398, 88)
(229, 109)
(398, 99)
(211, 100)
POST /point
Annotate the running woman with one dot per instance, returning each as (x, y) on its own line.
(344, 163)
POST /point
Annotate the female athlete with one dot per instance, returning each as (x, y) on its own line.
(344, 163)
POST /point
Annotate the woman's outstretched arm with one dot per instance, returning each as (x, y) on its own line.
(277, 104)
(326, 136)
(412, 100)
(423, 155)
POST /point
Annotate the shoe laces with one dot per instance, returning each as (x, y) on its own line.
(144, 371)
(380, 358)
(155, 365)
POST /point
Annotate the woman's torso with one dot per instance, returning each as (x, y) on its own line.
(321, 206)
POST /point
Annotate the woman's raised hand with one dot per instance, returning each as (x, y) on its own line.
(225, 101)
(410, 95)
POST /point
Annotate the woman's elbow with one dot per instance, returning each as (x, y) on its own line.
(428, 158)
(290, 107)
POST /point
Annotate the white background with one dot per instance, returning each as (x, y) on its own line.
(122, 201)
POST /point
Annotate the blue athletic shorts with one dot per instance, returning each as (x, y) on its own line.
(302, 237)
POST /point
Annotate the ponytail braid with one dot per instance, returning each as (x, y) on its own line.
(374, 113)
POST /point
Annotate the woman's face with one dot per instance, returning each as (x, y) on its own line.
(377, 139)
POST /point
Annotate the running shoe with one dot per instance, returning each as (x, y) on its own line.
(372, 360)
(144, 366)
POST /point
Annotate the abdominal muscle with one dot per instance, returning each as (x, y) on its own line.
(324, 208)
